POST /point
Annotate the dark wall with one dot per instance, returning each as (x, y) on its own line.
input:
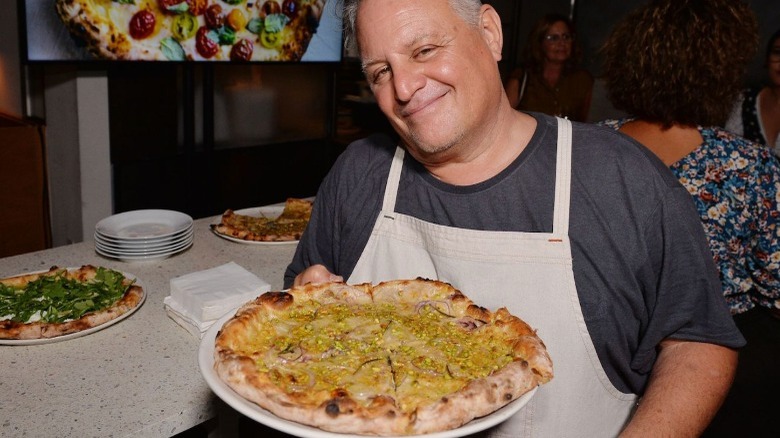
(595, 20)
(768, 12)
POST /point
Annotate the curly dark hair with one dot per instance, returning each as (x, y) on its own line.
(533, 53)
(680, 61)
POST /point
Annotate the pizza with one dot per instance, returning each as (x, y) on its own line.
(63, 301)
(288, 226)
(401, 357)
(179, 30)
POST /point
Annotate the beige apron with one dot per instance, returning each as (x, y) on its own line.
(530, 274)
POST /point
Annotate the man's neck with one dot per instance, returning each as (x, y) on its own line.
(478, 160)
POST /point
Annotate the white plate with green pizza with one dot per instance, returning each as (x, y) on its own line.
(64, 303)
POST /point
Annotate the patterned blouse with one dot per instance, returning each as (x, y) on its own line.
(735, 185)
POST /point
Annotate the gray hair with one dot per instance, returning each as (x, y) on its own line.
(468, 10)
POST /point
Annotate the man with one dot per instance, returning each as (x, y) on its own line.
(582, 233)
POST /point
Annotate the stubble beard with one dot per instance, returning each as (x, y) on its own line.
(431, 149)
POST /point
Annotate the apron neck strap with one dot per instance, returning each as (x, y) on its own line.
(562, 179)
(393, 180)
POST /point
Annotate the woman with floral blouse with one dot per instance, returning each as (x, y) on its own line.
(664, 65)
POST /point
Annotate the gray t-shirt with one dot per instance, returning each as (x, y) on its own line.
(642, 267)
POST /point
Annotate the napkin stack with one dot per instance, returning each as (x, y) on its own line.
(199, 299)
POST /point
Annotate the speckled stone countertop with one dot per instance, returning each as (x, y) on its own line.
(138, 377)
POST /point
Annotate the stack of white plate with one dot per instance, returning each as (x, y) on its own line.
(143, 235)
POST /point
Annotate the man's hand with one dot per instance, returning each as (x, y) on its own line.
(688, 384)
(316, 274)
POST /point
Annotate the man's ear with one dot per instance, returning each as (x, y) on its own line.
(490, 25)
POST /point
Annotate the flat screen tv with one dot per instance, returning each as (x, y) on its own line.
(181, 30)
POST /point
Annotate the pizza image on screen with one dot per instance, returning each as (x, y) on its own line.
(402, 357)
(193, 30)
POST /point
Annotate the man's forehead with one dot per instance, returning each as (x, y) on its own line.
(405, 28)
(429, 14)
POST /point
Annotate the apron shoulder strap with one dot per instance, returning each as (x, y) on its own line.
(393, 180)
(562, 179)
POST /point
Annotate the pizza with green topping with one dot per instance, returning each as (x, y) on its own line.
(64, 301)
(402, 357)
(200, 30)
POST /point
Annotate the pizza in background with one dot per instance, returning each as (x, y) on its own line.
(288, 226)
(399, 358)
(178, 30)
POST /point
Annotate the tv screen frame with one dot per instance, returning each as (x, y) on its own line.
(45, 38)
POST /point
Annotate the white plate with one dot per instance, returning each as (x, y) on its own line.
(144, 248)
(144, 242)
(146, 251)
(137, 258)
(255, 412)
(144, 224)
(83, 332)
(149, 257)
(270, 211)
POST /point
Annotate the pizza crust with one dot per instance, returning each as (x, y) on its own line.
(101, 36)
(339, 411)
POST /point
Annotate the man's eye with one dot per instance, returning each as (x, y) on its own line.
(380, 74)
(424, 52)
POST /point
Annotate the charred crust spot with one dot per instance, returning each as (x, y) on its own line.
(445, 400)
(80, 325)
(332, 409)
(277, 299)
(340, 392)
